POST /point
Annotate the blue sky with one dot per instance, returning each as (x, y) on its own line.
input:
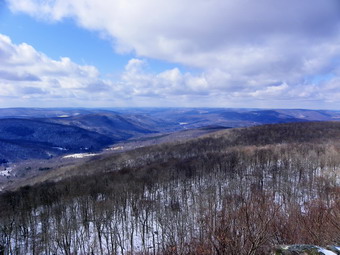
(66, 39)
(191, 53)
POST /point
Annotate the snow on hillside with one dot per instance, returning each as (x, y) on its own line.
(6, 172)
(80, 155)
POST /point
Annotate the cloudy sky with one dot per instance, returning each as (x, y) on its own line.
(192, 53)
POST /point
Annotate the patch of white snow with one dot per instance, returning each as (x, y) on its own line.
(6, 172)
(80, 155)
(60, 148)
(326, 252)
(116, 148)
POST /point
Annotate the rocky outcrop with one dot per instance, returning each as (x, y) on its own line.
(304, 249)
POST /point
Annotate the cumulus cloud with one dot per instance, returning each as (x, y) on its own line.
(245, 50)
(164, 84)
(29, 77)
(27, 73)
(233, 33)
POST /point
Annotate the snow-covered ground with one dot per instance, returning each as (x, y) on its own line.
(115, 148)
(326, 252)
(153, 219)
(60, 148)
(6, 172)
(80, 155)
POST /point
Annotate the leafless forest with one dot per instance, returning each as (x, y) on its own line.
(239, 191)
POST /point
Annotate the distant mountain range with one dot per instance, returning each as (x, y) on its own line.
(113, 125)
(199, 117)
(28, 133)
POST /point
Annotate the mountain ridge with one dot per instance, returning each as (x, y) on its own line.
(105, 127)
(256, 136)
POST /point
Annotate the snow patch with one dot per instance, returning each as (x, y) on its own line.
(326, 252)
(80, 155)
(6, 172)
(115, 148)
(60, 148)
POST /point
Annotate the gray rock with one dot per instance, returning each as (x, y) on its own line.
(306, 249)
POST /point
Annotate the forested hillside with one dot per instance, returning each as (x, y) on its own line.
(42, 133)
(111, 124)
(237, 191)
(28, 139)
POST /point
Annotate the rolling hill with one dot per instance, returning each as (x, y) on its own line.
(286, 134)
(36, 133)
(235, 191)
(188, 118)
(110, 124)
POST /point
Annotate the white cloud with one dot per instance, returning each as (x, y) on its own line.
(270, 91)
(30, 78)
(162, 85)
(202, 33)
(26, 73)
(246, 50)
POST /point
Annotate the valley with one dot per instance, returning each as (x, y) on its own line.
(35, 140)
(226, 191)
(168, 183)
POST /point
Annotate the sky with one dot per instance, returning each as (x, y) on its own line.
(170, 53)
